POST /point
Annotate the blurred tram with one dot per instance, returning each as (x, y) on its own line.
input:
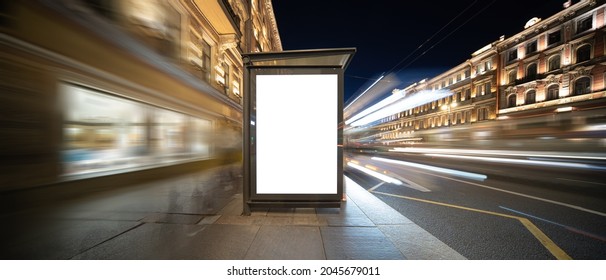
(80, 99)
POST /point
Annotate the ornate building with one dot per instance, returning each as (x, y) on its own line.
(555, 66)
(534, 85)
(96, 86)
(206, 37)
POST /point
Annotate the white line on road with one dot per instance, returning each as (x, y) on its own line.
(496, 189)
(375, 187)
(524, 195)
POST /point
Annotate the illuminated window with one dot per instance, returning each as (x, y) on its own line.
(583, 53)
(482, 114)
(102, 132)
(582, 86)
(554, 37)
(530, 97)
(512, 76)
(227, 74)
(584, 24)
(206, 55)
(512, 55)
(553, 92)
(479, 90)
(511, 101)
(531, 71)
(531, 47)
(554, 62)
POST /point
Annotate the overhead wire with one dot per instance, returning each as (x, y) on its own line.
(432, 36)
(447, 35)
(427, 41)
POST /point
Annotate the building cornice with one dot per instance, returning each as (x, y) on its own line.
(274, 25)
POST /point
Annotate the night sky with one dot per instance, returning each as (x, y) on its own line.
(412, 39)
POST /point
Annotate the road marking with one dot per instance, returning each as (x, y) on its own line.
(375, 187)
(588, 234)
(410, 183)
(545, 240)
(536, 232)
(520, 194)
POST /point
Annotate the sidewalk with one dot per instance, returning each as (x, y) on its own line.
(179, 219)
(364, 228)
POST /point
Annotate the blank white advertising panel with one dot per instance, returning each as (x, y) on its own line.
(297, 134)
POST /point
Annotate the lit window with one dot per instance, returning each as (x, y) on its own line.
(554, 37)
(206, 61)
(513, 55)
(512, 76)
(482, 114)
(511, 101)
(554, 62)
(582, 86)
(583, 53)
(531, 47)
(530, 97)
(531, 71)
(584, 24)
(553, 92)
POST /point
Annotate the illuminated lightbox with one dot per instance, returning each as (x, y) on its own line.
(296, 131)
(292, 127)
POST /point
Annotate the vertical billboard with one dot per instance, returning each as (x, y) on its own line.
(292, 128)
(296, 125)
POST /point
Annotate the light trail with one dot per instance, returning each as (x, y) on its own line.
(523, 161)
(458, 173)
(375, 174)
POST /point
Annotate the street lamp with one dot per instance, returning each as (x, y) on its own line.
(446, 107)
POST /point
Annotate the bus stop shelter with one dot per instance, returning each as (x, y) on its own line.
(293, 132)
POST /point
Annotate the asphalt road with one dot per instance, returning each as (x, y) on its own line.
(506, 205)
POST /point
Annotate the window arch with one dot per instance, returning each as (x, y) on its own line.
(582, 86)
(583, 53)
(511, 100)
(513, 75)
(531, 97)
(553, 92)
(531, 70)
(554, 63)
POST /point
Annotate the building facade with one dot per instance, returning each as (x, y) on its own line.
(546, 82)
(96, 87)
